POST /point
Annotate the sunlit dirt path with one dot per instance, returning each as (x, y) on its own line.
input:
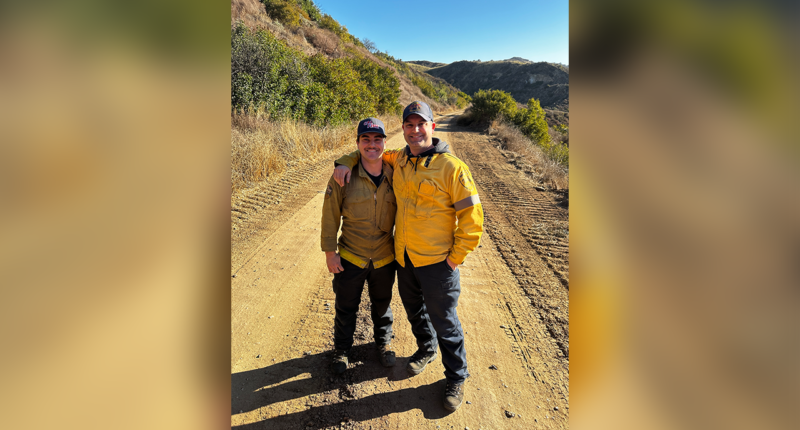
(513, 307)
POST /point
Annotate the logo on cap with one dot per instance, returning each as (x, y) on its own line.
(415, 107)
(368, 124)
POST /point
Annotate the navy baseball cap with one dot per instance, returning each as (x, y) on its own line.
(420, 108)
(371, 125)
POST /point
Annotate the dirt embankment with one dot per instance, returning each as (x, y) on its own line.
(513, 307)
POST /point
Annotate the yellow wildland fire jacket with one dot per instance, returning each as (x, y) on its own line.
(439, 213)
(366, 214)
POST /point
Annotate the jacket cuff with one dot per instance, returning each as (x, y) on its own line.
(329, 244)
(455, 259)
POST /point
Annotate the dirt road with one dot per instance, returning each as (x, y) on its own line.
(513, 307)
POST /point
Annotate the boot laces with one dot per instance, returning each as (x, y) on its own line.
(452, 389)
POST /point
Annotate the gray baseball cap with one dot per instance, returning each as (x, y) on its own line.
(420, 108)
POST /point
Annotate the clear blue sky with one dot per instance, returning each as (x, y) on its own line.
(448, 30)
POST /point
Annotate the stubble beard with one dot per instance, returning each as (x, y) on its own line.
(420, 146)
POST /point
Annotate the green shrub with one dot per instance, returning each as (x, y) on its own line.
(265, 73)
(331, 24)
(557, 152)
(423, 85)
(269, 76)
(381, 82)
(436, 89)
(317, 108)
(285, 11)
(241, 90)
(310, 9)
(532, 123)
(285, 83)
(348, 98)
(462, 100)
(289, 12)
(488, 105)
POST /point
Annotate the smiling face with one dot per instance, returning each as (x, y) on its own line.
(371, 146)
(418, 133)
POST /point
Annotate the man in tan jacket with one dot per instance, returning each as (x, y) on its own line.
(365, 209)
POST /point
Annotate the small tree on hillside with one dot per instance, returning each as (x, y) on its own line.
(531, 121)
(370, 45)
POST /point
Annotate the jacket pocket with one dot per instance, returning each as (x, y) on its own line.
(357, 205)
(389, 212)
(425, 198)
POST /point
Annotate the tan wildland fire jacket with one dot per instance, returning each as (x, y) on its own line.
(366, 214)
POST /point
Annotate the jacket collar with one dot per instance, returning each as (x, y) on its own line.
(439, 147)
(387, 171)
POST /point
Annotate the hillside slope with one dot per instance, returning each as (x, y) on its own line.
(545, 82)
(310, 38)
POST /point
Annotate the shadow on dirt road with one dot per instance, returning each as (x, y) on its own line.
(257, 388)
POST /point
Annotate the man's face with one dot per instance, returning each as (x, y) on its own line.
(418, 133)
(371, 146)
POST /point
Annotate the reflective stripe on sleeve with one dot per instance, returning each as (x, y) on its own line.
(465, 203)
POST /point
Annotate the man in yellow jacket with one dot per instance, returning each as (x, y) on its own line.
(439, 221)
(365, 209)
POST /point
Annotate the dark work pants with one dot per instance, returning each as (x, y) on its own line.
(347, 285)
(430, 297)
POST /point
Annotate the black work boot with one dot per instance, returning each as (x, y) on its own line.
(339, 362)
(418, 361)
(386, 356)
(453, 395)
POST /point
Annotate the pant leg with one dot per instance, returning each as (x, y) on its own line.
(414, 303)
(441, 287)
(347, 285)
(379, 283)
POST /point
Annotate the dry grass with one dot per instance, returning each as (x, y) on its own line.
(324, 40)
(549, 172)
(262, 148)
(557, 136)
(251, 12)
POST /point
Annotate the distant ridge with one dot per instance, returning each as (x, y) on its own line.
(427, 63)
(546, 82)
(520, 59)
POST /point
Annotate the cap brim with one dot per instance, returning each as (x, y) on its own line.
(425, 117)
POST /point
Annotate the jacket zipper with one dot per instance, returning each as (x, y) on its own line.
(375, 201)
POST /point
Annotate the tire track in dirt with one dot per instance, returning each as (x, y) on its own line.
(257, 212)
(530, 229)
